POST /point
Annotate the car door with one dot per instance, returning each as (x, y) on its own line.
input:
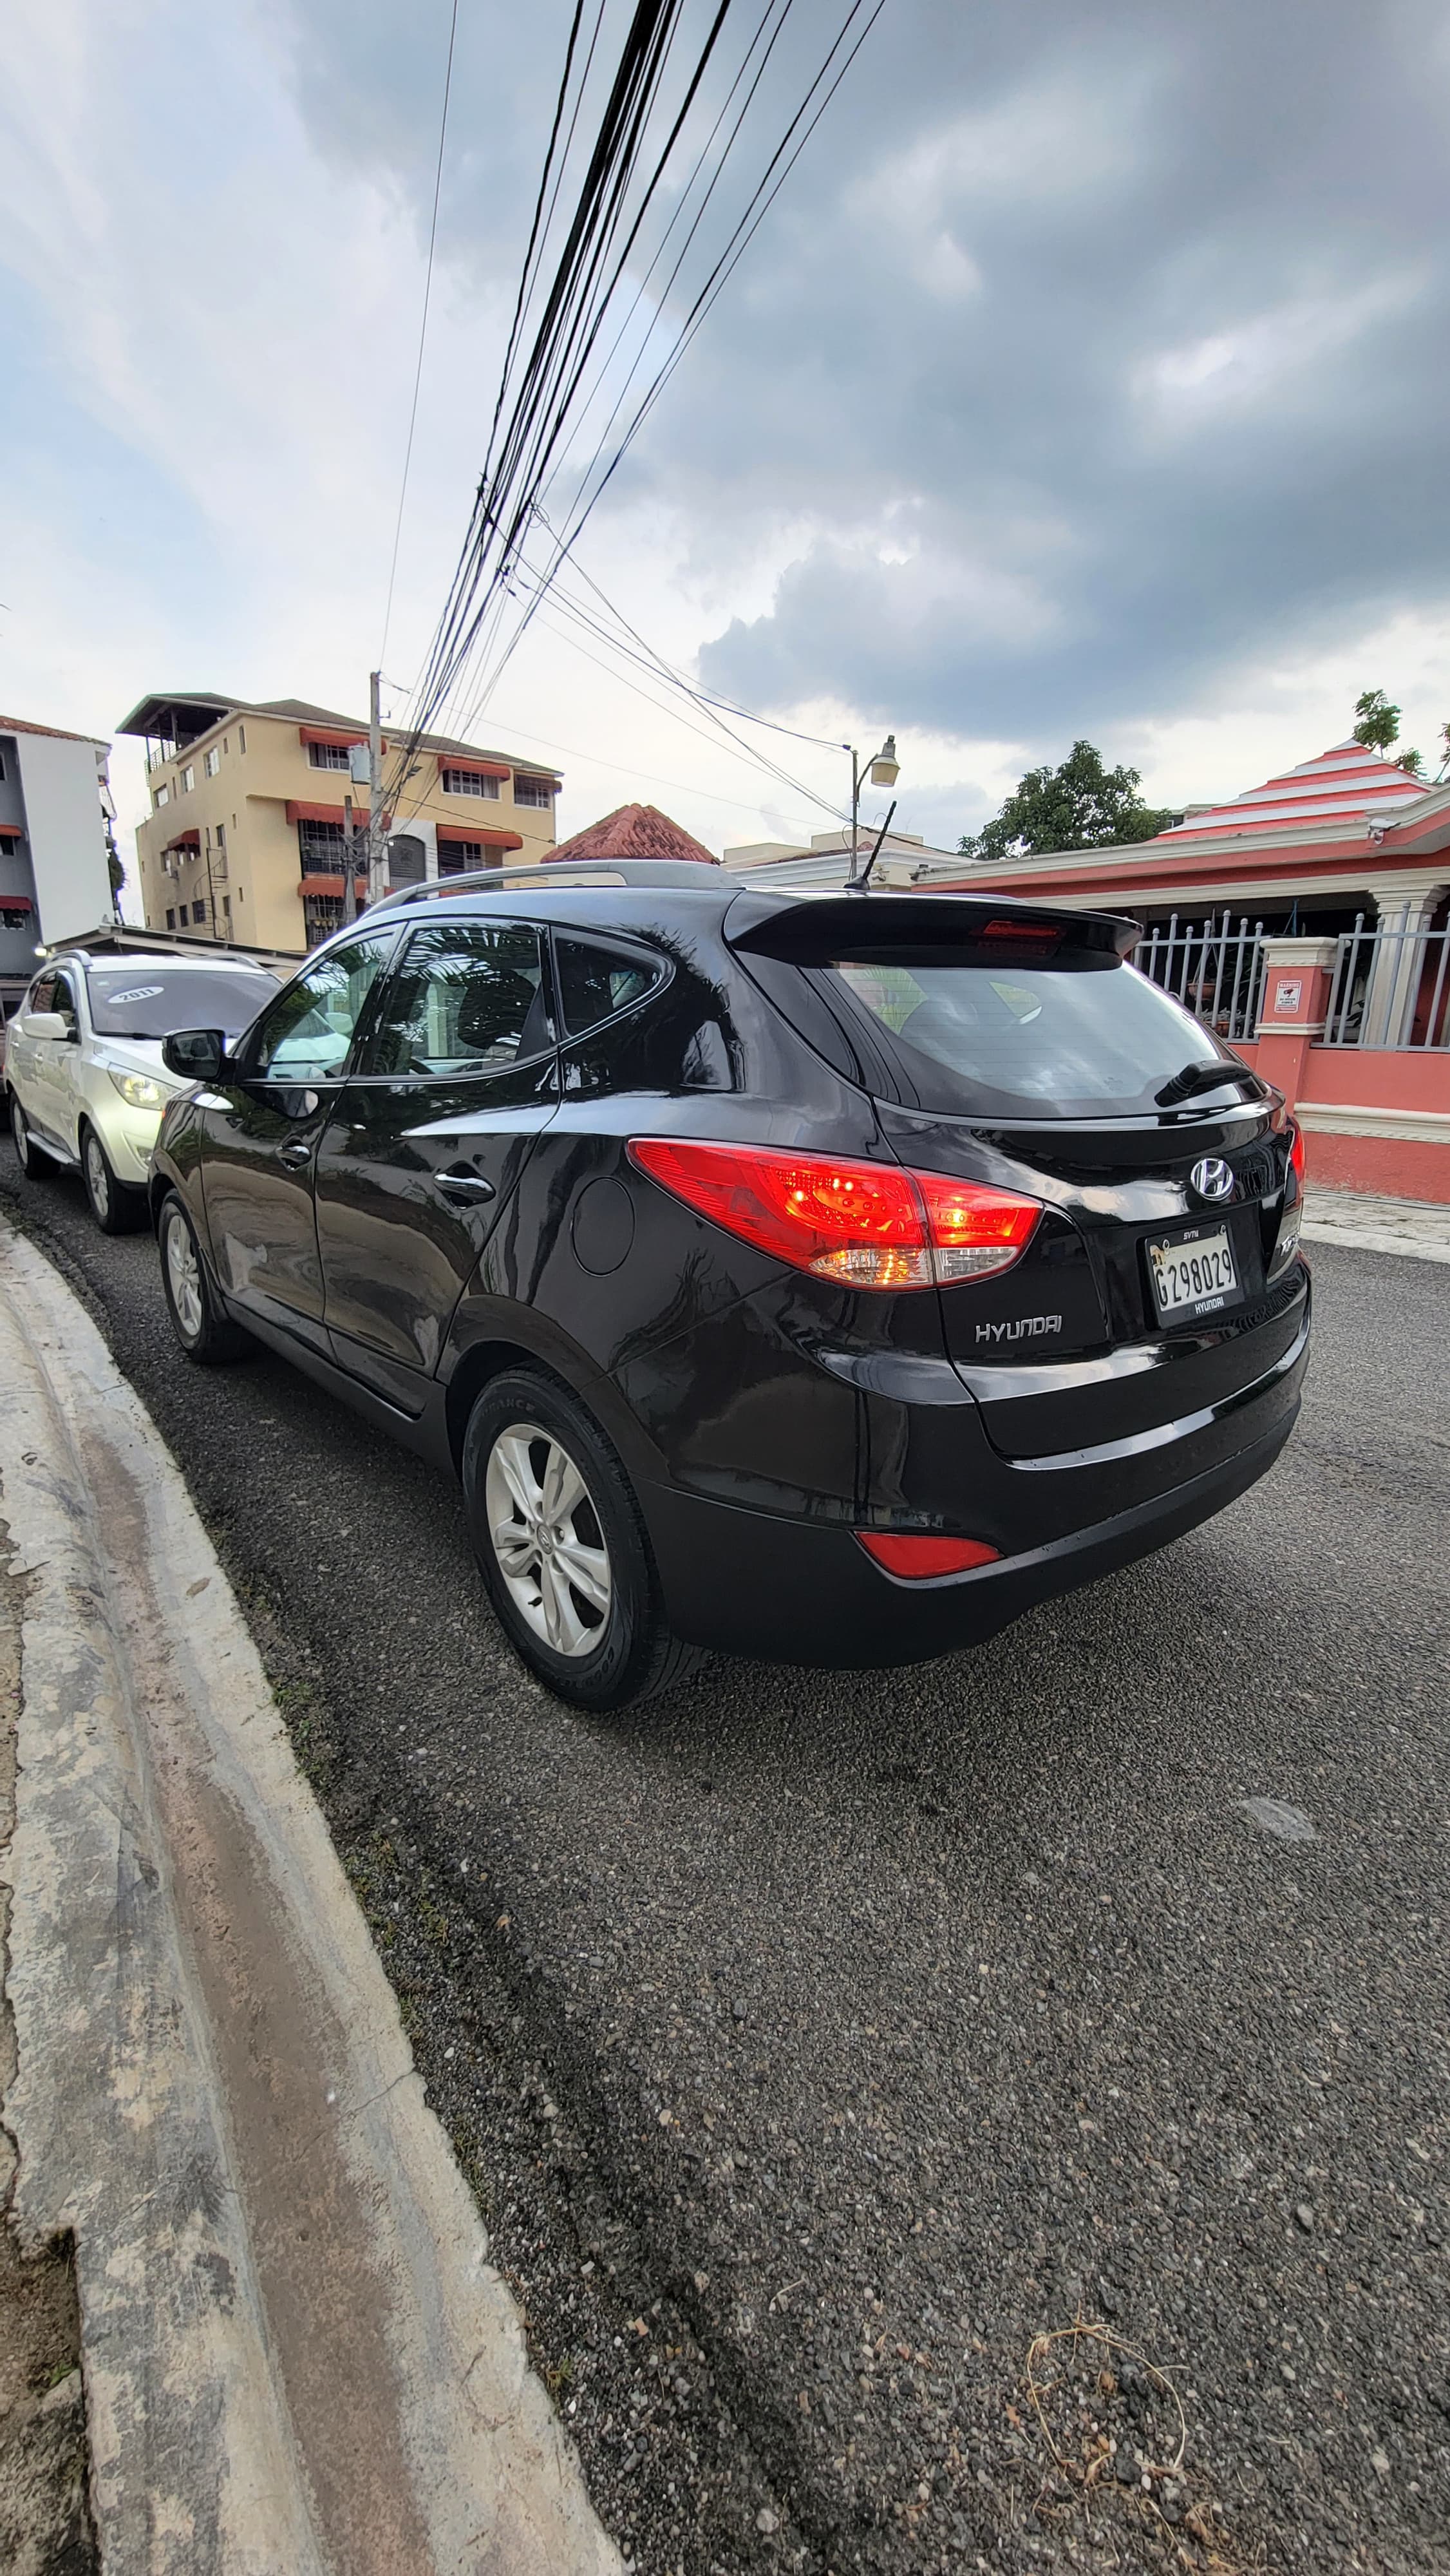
(261, 1126)
(423, 1151)
(24, 1069)
(63, 1062)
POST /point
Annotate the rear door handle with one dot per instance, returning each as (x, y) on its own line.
(461, 1184)
(295, 1154)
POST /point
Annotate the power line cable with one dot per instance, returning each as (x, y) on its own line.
(744, 232)
(422, 328)
(561, 374)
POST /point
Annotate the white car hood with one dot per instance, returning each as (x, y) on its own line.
(136, 1055)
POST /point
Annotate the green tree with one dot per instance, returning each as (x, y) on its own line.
(1080, 806)
(1413, 761)
(1376, 722)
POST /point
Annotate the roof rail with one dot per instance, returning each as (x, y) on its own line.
(547, 872)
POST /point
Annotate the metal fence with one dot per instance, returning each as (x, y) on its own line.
(1214, 969)
(1390, 988)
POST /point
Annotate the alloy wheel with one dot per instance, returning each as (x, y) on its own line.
(548, 1539)
(98, 1179)
(183, 1277)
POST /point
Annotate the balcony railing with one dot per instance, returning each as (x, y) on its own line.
(1390, 988)
(1214, 970)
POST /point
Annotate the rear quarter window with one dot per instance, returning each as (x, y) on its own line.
(596, 981)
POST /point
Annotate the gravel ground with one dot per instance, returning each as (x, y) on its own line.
(816, 2043)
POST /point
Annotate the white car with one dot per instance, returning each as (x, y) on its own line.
(83, 1071)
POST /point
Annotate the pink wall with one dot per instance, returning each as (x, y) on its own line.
(1376, 1078)
(1364, 1078)
(1392, 1166)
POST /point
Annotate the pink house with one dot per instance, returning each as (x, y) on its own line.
(1307, 920)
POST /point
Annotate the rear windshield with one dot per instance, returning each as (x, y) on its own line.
(1028, 1041)
(149, 1001)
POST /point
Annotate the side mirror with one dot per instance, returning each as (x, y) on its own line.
(198, 1055)
(49, 1024)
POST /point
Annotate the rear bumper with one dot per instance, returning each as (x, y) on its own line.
(804, 1591)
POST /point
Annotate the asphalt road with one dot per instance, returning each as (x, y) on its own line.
(815, 2042)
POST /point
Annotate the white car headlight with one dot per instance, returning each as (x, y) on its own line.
(140, 1090)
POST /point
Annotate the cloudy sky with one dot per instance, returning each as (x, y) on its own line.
(1088, 377)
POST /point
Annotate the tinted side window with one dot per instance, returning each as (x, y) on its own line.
(465, 1000)
(64, 999)
(39, 996)
(596, 981)
(310, 1033)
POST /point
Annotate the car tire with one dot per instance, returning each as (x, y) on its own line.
(33, 1159)
(571, 1578)
(206, 1335)
(116, 1209)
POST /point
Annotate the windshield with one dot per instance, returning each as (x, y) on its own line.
(146, 1001)
(1031, 1041)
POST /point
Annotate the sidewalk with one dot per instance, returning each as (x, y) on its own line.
(1370, 1224)
(296, 2358)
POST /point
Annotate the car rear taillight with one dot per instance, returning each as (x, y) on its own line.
(871, 1225)
(1296, 1152)
(902, 1552)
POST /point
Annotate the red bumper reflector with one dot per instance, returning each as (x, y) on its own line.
(902, 1553)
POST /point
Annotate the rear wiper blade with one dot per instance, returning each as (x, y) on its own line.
(1199, 1077)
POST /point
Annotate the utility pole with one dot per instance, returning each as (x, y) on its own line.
(349, 862)
(377, 887)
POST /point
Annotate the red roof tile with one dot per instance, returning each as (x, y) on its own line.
(634, 832)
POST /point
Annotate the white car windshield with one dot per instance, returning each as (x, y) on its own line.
(148, 1001)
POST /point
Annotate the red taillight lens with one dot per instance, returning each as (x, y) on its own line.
(1296, 1150)
(973, 1230)
(902, 1553)
(871, 1225)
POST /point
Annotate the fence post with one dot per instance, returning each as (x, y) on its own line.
(1297, 978)
(1405, 913)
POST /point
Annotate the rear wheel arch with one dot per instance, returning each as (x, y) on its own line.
(577, 1375)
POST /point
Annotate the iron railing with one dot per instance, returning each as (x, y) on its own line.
(1213, 969)
(1390, 988)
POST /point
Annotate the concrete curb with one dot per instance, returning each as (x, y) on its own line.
(296, 2355)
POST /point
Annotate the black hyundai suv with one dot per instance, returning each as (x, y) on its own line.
(821, 1279)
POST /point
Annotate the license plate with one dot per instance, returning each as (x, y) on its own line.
(1193, 1274)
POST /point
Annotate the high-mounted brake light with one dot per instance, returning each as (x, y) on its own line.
(1023, 930)
(902, 1552)
(871, 1225)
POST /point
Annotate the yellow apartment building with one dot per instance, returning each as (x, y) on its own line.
(245, 837)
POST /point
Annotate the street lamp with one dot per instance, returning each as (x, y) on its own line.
(883, 769)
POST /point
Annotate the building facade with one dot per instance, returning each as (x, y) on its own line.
(246, 838)
(55, 849)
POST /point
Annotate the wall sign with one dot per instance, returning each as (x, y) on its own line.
(1288, 994)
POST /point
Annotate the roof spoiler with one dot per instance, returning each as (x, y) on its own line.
(805, 934)
(547, 872)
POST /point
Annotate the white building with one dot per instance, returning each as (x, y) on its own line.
(55, 879)
(824, 862)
